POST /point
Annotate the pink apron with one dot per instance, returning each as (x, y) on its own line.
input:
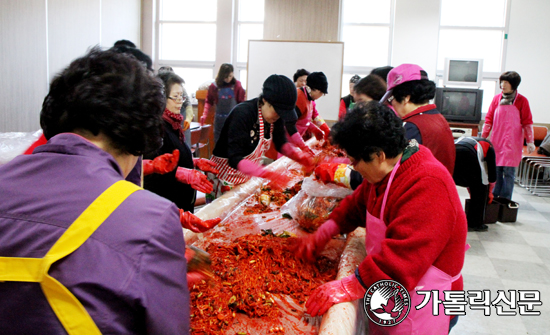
(228, 177)
(303, 122)
(418, 321)
(507, 135)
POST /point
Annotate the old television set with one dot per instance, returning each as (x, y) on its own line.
(463, 72)
(459, 104)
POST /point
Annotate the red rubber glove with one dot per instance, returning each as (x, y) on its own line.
(298, 141)
(296, 155)
(195, 179)
(334, 292)
(205, 165)
(193, 223)
(205, 113)
(491, 196)
(318, 133)
(161, 164)
(311, 246)
(326, 130)
(334, 173)
(194, 278)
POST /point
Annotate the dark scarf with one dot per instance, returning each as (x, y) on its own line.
(175, 120)
(508, 99)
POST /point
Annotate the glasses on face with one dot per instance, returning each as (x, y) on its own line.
(176, 98)
(390, 99)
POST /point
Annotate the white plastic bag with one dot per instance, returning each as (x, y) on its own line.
(15, 143)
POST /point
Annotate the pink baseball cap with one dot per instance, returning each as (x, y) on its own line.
(402, 74)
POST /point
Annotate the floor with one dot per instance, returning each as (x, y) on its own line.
(510, 256)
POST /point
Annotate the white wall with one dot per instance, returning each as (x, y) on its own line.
(416, 34)
(38, 38)
(528, 53)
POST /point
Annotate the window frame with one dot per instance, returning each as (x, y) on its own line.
(354, 69)
(488, 76)
(238, 65)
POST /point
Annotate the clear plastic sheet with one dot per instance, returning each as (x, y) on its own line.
(15, 143)
(312, 206)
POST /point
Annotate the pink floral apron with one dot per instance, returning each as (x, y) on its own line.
(418, 321)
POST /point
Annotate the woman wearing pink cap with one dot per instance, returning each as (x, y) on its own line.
(409, 93)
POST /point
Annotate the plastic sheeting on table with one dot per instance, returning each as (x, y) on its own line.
(341, 319)
(15, 143)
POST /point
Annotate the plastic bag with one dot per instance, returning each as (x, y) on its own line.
(15, 143)
(311, 207)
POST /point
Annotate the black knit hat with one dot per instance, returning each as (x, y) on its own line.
(317, 81)
(280, 92)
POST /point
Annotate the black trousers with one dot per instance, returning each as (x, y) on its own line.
(478, 203)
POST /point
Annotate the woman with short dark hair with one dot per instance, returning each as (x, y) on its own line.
(509, 121)
(347, 102)
(416, 228)
(181, 183)
(105, 255)
(409, 93)
(300, 77)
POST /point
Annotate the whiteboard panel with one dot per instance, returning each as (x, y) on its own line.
(285, 57)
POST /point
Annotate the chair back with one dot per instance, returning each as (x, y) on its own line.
(539, 133)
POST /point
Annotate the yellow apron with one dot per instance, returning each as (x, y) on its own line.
(65, 305)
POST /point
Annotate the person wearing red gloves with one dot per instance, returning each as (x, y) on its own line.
(106, 256)
(181, 183)
(509, 121)
(408, 202)
(309, 120)
(248, 133)
(475, 168)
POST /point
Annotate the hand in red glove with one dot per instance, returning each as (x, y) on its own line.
(310, 247)
(205, 165)
(193, 223)
(195, 179)
(333, 173)
(194, 278)
(298, 141)
(205, 113)
(318, 133)
(334, 292)
(161, 164)
(301, 157)
(250, 168)
(326, 130)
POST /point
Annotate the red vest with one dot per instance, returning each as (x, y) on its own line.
(436, 135)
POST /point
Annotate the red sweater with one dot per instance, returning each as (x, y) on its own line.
(425, 223)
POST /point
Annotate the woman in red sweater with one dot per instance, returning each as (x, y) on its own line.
(416, 228)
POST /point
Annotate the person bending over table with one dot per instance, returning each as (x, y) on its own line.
(408, 202)
(248, 132)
